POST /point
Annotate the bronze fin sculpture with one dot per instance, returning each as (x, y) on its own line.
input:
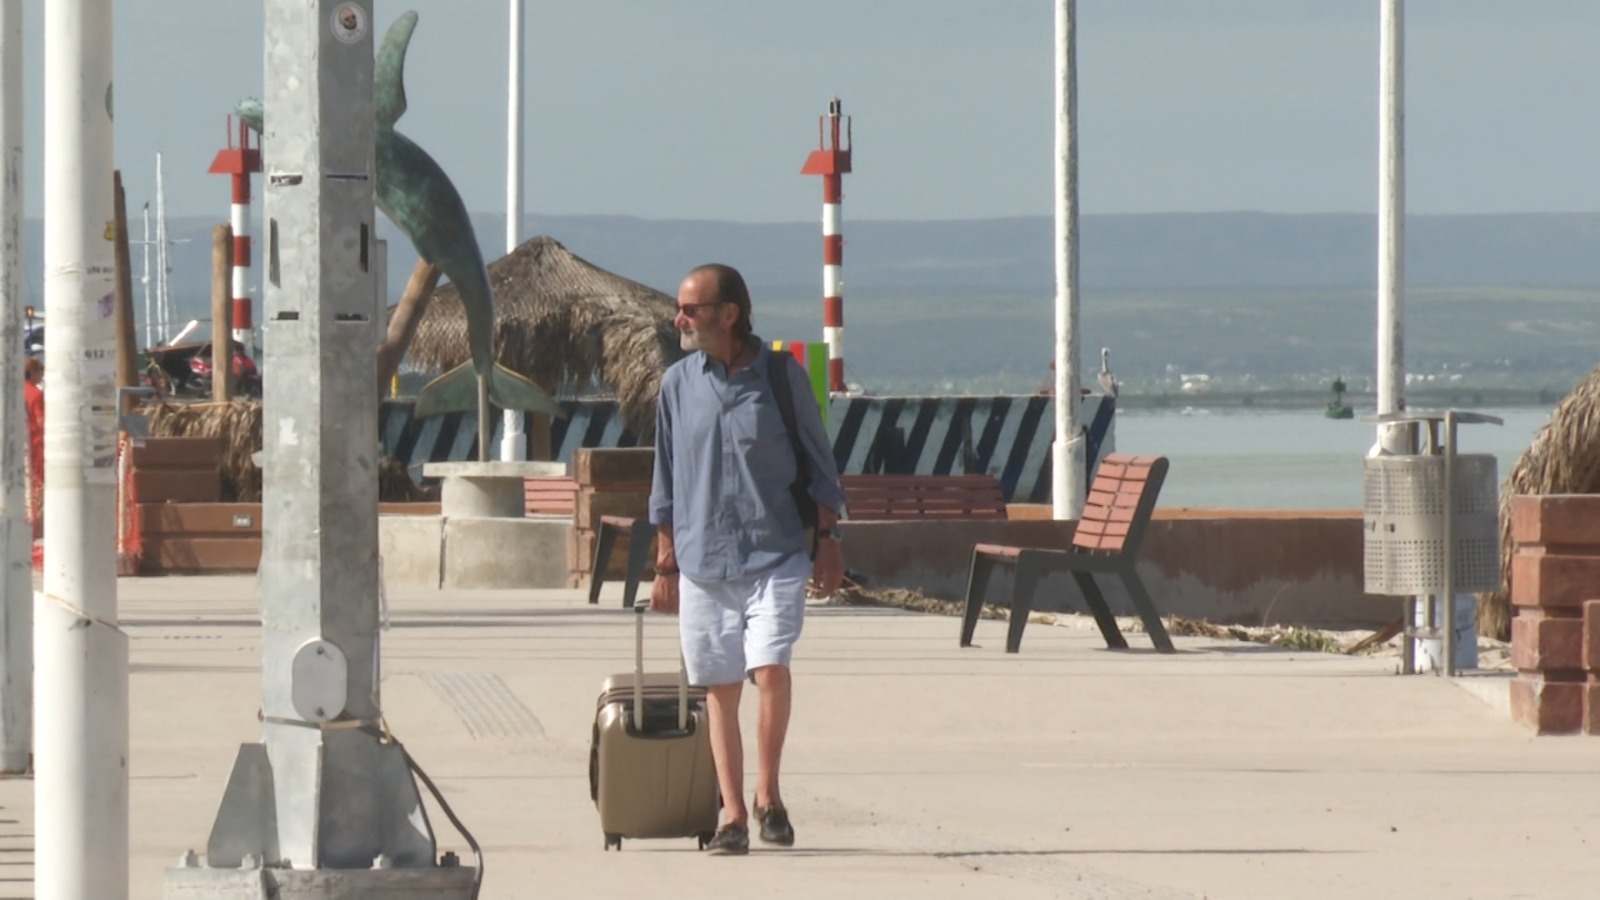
(418, 197)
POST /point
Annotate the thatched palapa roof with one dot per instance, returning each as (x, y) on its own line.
(1564, 458)
(565, 323)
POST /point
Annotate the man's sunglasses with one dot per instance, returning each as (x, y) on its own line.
(693, 309)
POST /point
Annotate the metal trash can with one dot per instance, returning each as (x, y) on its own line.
(1405, 551)
(1431, 529)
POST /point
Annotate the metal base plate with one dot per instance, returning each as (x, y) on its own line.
(321, 884)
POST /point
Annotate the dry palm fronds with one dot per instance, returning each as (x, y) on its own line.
(236, 422)
(1564, 458)
(1287, 637)
(567, 324)
(914, 601)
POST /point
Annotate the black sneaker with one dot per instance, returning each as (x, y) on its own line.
(775, 827)
(730, 840)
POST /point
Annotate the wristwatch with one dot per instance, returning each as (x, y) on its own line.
(834, 533)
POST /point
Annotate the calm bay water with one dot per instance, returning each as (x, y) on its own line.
(1287, 459)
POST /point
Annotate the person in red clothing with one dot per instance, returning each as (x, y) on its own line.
(33, 394)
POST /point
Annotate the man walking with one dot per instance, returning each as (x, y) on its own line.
(733, 556)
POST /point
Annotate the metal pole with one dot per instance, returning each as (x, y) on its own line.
(81, 747)
(1449, 574)
(1067, 470)
(513, 440)
(1391, 226)
(324, 805)
(16, 605)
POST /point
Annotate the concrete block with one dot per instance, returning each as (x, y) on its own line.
(1548, 707)
(614, 467)
(505, 553)
(1226, 566)
(1553, 580)
(323, 884)
(1556, 519)
(412, 549)
(1550, 640)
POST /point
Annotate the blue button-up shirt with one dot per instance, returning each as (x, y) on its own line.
(724, 463)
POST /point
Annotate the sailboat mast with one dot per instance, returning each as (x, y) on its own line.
(149, 321)
(163, 297)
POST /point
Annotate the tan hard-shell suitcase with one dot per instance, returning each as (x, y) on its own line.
(658, 780)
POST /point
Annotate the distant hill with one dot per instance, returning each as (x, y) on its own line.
(934, 303)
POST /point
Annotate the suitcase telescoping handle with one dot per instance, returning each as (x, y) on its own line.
(639, 607)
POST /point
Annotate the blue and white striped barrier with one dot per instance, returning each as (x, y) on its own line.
(1005, 436)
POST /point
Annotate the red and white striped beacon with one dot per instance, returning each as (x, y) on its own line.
(831, 160)
(240, 161)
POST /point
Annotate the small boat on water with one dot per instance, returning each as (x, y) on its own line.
(1337, 408)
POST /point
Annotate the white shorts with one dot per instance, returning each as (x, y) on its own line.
(731, 628)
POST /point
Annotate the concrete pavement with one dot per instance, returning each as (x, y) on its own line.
(915, 768)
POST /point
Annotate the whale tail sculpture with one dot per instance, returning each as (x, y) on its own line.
(457, 391)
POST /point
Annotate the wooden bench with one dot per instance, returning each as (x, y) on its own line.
(640, 533)
(1116, 515)
(901, 497)
(867, 498)
(549, 495)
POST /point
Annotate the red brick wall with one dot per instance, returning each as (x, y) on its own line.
(1555, 595)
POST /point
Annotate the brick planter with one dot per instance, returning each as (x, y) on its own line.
(1555, 634)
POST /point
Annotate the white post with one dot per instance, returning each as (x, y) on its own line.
(81, 717)
(1391, 225)
(1067, 471)
(513, 440)
(16, 537)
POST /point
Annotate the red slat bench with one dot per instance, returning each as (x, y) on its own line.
(867, 498)
(549, 495)
(1116, 515)
(900, 497)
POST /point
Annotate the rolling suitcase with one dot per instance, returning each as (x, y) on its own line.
(651, 775)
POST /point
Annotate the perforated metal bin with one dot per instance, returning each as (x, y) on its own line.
(1405, 524)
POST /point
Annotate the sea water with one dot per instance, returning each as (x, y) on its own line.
(1258, 459)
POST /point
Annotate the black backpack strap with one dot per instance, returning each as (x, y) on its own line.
(778, 375)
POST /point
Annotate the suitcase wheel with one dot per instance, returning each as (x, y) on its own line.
(614, 841)
(704, 838)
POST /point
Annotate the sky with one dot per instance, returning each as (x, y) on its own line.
(706, 109)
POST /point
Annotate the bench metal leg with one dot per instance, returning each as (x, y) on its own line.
(605, 536)
(1025, 582)
(1147, 612)
(977, 580)
(1101, 611)
(638, 553)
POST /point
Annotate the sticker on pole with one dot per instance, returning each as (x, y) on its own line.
(349, 22)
